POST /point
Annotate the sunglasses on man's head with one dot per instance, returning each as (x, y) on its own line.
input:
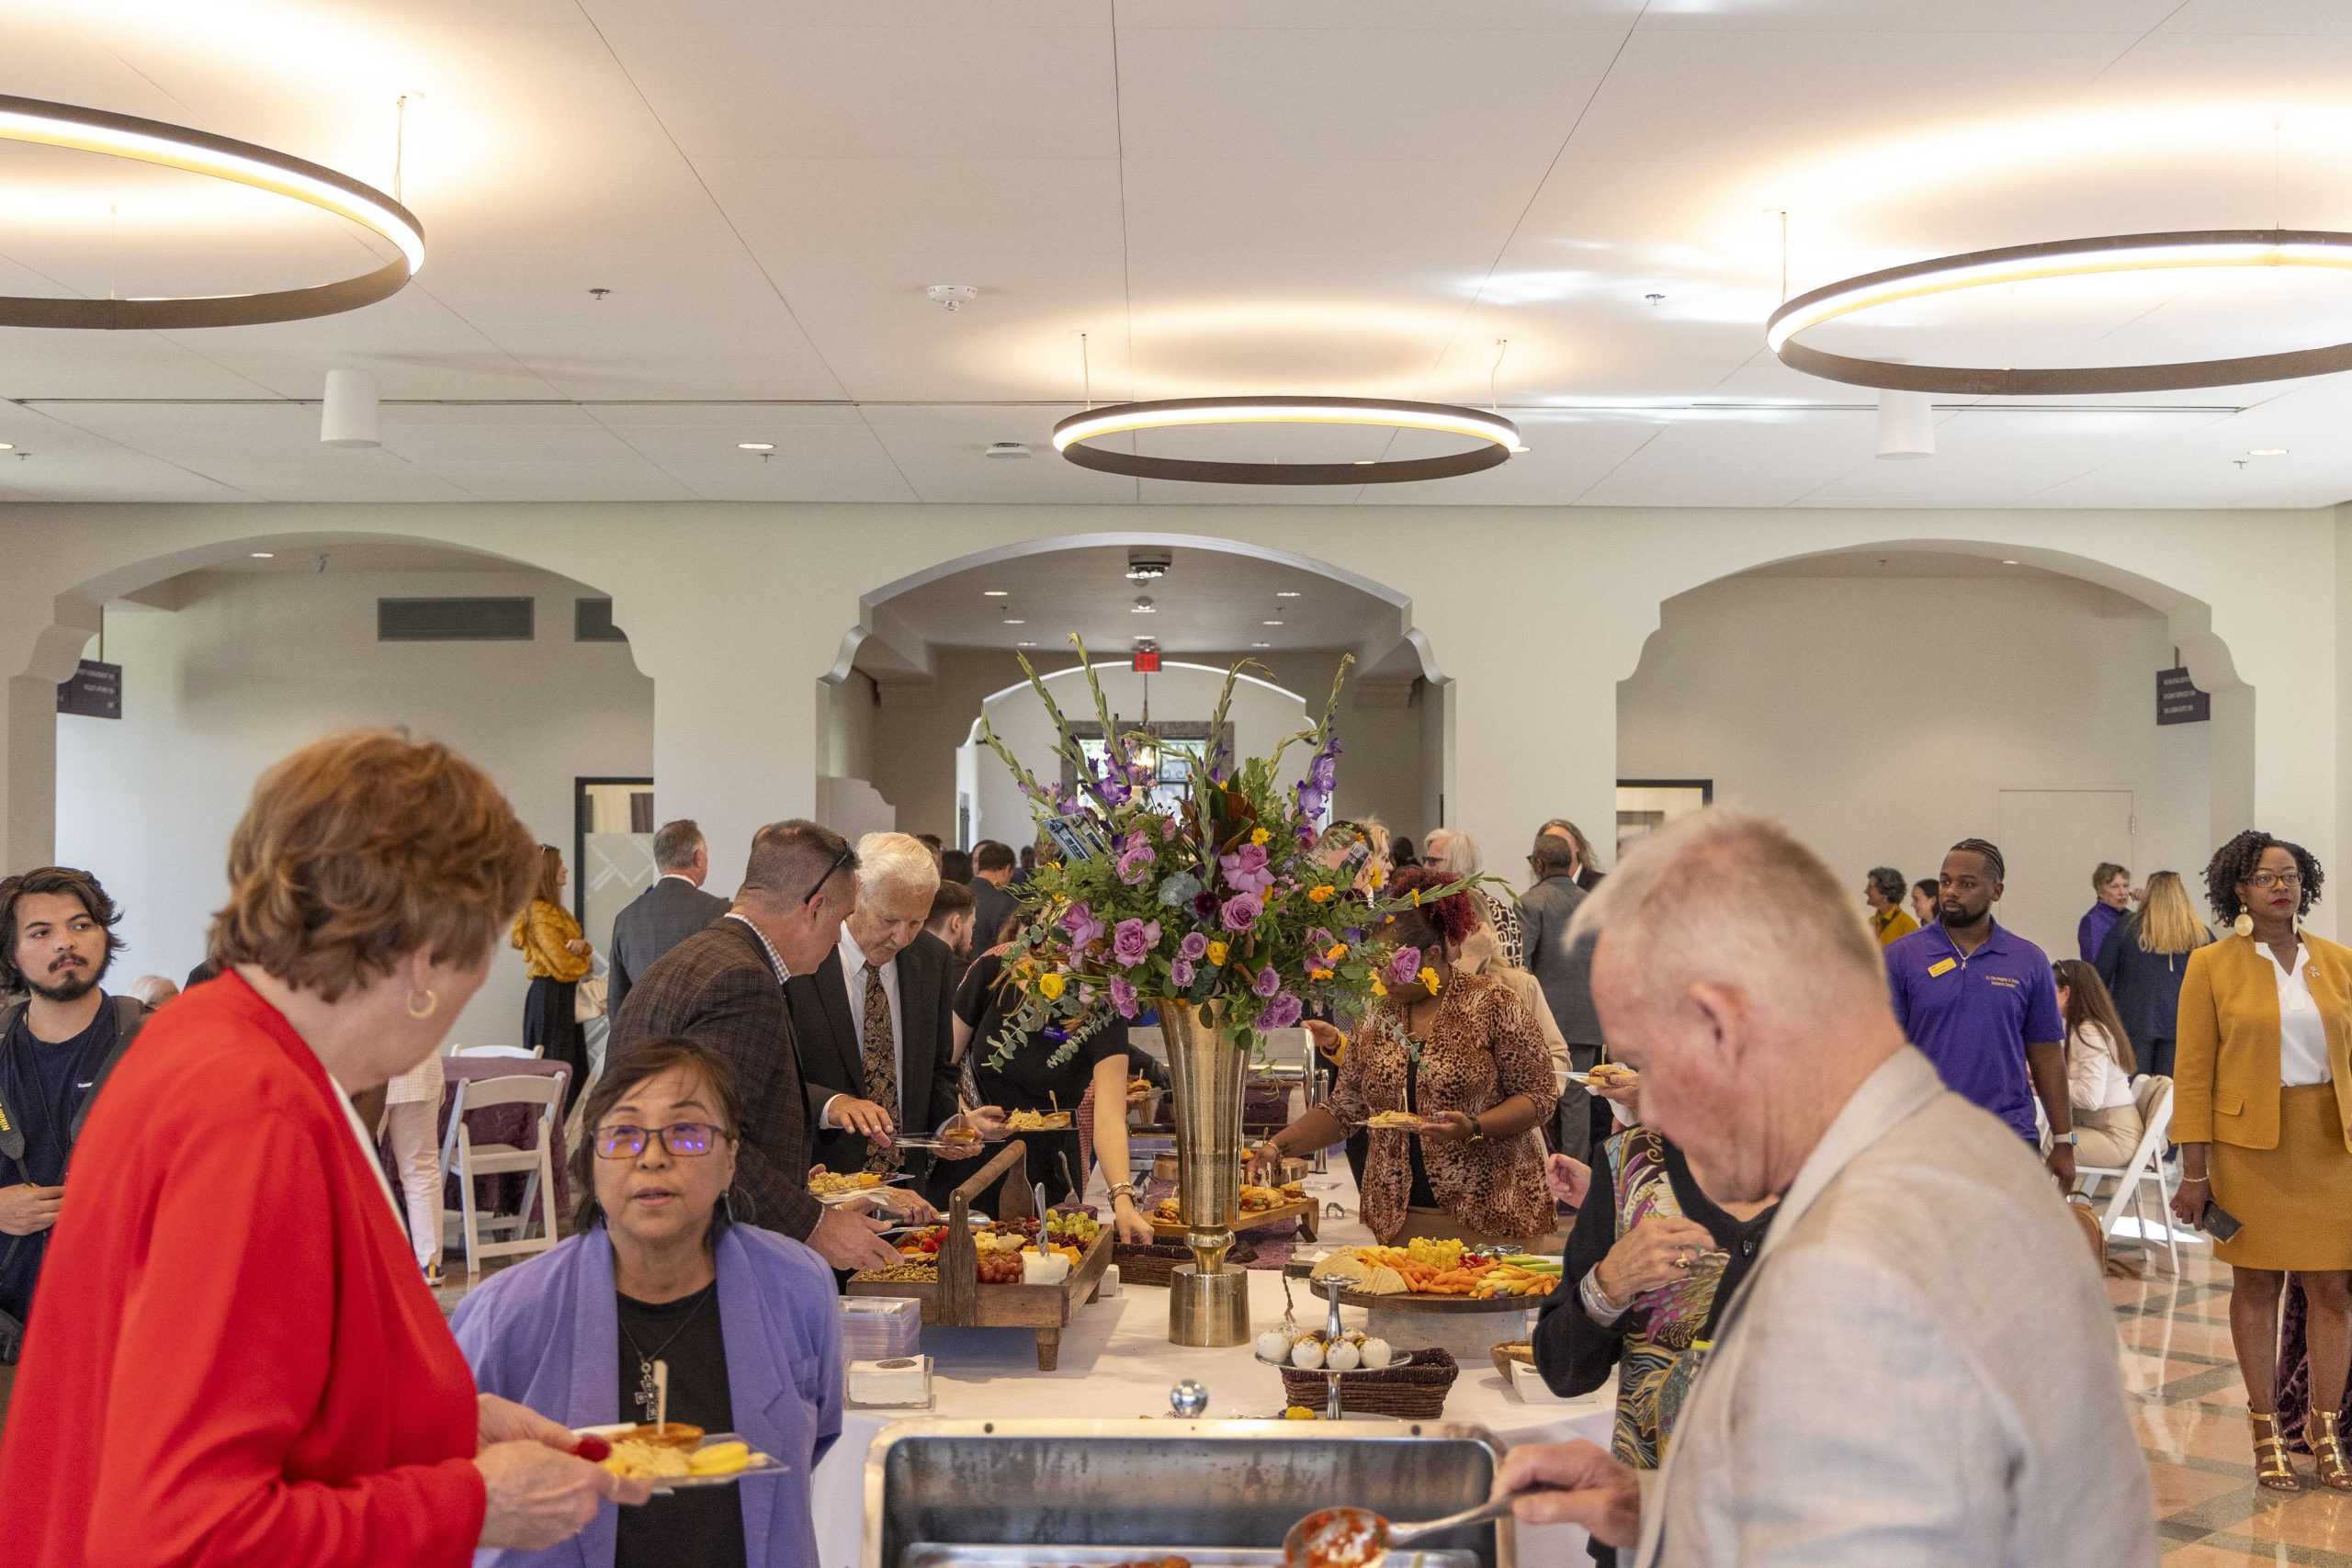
(847, 857)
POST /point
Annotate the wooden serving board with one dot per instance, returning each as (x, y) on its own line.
(1303, 1210)
(1411, 1302)
(957, 1299)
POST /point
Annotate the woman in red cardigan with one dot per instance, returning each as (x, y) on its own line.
(233, 1358)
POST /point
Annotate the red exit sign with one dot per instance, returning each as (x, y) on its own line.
(1146, 661)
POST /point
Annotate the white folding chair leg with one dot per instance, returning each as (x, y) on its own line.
(465, 1204)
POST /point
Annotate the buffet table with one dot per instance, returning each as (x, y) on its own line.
(1116, 1362)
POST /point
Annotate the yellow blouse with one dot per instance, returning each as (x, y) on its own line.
(540, 932)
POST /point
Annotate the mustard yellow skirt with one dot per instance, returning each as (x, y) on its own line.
(2295, 1201)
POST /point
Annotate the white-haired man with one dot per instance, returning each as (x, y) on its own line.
(876, 1047)
(1921, 1367)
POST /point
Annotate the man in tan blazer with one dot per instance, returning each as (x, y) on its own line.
(1921, 1367)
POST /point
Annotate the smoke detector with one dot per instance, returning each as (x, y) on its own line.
(1006, 449)
(952, 297)
(1147, 565)
(1144, 606)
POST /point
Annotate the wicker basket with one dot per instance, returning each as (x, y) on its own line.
(1156, 1264)
(1519, 1350)
(1414, 1388)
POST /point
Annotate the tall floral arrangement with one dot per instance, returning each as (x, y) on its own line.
(1229, 898)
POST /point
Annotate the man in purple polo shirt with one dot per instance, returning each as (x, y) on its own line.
(1981, 1003)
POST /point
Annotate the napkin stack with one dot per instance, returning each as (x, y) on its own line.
(880, 1328)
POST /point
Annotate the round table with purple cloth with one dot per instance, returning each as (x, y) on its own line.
(2294, 1388)
(498, 1124)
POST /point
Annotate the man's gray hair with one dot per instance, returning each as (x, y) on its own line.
(1452, 851)
(1734, 897)
(897, 861)
(674, 844)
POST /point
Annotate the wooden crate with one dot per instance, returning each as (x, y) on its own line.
(957, 1299)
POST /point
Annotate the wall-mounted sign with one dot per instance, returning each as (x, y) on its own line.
(2178, 701)
(94, 692)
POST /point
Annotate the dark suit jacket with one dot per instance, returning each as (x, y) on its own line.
(991, 905)
(718, 989)
(1563, 971)
(831, 1062)
(655, 921)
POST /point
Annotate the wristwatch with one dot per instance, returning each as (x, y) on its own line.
(2065, 1138)
(1477, 1129)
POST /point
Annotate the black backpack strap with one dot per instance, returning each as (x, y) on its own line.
(131, 1016)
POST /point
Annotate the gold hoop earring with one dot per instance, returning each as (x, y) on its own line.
(2243, 924)
(432, 1002)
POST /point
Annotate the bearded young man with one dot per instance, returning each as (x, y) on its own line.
(56, 1045)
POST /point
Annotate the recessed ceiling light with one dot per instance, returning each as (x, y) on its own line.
(1261, 645)
(1366, 462)
(1014, 621)
(1270, 622)
(1286, 594)
(1024, 642)
(7, 446)
(265, 555)
(996, 592)
(756, 445)
(2008, 563)
(2267, 452)
(1004, 449)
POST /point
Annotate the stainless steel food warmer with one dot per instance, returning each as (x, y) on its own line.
(967, 1494)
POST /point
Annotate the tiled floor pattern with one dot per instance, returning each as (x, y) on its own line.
(2190, 1407)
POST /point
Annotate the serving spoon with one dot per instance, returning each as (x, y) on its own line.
(1357, 1538)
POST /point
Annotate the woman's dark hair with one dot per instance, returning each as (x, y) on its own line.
(2088, 1002)
(646, 1059)
(1930, 887)
(1889, 882)
(2235, 860)
(80, 885)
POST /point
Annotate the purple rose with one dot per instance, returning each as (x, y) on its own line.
(1405, 967)
(1167, 828)
(1195, 947)
(1179, 974)
(1134, 859)
(1282, 1012)
(1245, 869)
(1084, 929)
(1241, 912)
(1132, 942)
(1267, 983)
(1123, 995)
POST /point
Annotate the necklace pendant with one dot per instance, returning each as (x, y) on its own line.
(647, 1394)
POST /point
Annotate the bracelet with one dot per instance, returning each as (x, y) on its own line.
(1123, 1190)
(1596, 1305)
(2200, 1181)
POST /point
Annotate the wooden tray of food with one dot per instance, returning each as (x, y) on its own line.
(957, 1298)
(1303, 1210)
(1513, 1282)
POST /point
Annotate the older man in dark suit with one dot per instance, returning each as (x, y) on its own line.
(667, 913)
(723, 987)
(873, 1020)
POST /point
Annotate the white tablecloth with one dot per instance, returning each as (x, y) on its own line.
(1116, 1360)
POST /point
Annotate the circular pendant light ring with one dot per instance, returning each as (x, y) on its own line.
(2062, 258)
(200, 153)
(1498, 437)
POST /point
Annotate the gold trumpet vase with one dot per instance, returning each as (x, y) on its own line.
(1208, 1300)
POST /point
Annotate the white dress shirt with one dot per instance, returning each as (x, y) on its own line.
(2094, 1078)
(2302, 1034)
(853, 967)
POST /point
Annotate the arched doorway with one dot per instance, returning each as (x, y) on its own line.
(1888, 699)
(933, 649)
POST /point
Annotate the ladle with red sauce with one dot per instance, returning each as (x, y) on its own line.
(1358, 1538)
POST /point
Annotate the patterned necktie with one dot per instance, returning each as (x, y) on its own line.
(881, 1070)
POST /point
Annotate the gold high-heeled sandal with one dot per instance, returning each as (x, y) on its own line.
(2327, 1448)
(2271, 1470)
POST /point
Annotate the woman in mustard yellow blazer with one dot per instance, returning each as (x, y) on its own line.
(2262, 1109)
(557, 958)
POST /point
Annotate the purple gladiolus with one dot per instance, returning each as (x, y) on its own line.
(1240, 913)
(1133, 941)
(1245, 869)
(1084, 929)
(1179, 974)
(1404, 966)
(1195, 947)
(1123, 995)
(1267, 983)
(1282, 1012)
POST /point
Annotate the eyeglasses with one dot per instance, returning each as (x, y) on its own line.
(847, 857)
(2276, 879)
(679, 1138)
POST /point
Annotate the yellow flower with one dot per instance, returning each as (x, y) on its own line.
(1336, 952)
(1321, 894)
(1429, 978)
(1378, 989)
(1259, 835)
(1050, 986)
(1380, 877)
(1217, 951)
(1318, 974)
(1417, 898)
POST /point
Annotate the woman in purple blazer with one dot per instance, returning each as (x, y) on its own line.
(743, 1318)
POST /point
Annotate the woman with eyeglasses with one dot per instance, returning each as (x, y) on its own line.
(2262, 1110)
(655, 1272)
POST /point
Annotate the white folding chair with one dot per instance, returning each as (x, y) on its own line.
(472, 1159)
(2153, 1094)
(525, 1052)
